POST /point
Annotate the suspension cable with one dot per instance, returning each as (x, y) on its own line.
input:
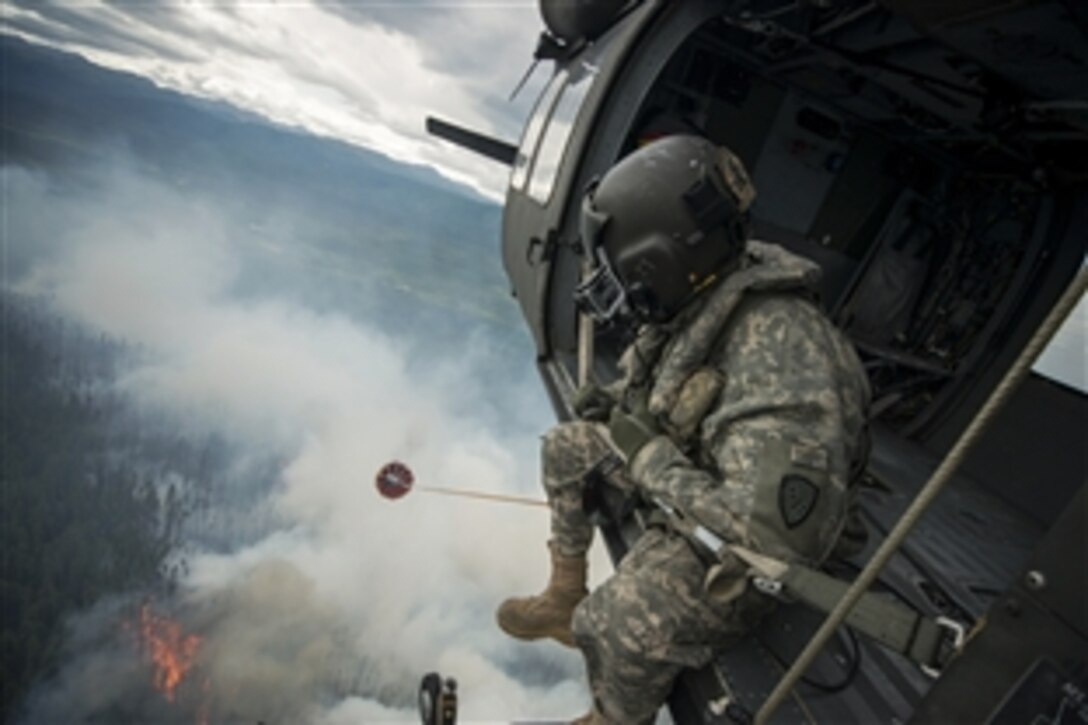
(522, 500)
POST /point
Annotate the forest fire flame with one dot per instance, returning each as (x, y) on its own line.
(172, 652)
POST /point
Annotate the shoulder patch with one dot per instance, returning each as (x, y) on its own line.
(797, 498)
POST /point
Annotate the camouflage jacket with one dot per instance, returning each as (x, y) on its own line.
(764, 403)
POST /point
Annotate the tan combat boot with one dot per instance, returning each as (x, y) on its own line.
(548, 614)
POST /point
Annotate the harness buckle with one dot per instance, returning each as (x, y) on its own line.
(954, 633)
(770, 587)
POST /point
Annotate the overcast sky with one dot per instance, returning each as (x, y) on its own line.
(364, 72)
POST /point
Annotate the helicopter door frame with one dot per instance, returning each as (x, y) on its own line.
(534, 131)
(533, 237)
(595, 145)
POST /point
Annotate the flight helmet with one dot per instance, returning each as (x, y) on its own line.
(660, 226)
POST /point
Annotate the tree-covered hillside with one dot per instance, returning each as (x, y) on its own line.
(76, 522)
(101, 492)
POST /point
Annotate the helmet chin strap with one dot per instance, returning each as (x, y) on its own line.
(601, 294)
(643, 304)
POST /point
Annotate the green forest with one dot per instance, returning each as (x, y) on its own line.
(104, 499)
(77, 523)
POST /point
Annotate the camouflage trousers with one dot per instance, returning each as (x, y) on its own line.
(650, 619)
(569, 451)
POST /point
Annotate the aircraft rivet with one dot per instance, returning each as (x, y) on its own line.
(1035, 580)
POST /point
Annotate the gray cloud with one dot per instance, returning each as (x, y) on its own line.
(61, 23)
(485, 45)
(361, 72)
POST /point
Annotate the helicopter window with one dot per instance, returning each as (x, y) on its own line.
(558, 133)
(532, 132)
(1063, 359)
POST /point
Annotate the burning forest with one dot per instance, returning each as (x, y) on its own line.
(169, 651)
(210, 348)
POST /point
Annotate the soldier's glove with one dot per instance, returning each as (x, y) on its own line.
(633, 428)
(592, 404)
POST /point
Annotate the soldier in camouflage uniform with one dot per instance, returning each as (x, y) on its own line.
(739, 405)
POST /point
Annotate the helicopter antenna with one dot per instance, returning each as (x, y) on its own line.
(548, 47)
(525, 77)
(493, 148)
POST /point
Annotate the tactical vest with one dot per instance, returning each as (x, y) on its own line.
(787, 486)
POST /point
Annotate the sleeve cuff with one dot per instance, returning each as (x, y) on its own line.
(653, 458)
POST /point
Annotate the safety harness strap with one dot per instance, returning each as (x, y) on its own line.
(928, 641)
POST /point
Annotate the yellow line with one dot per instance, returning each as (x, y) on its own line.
(487, 496)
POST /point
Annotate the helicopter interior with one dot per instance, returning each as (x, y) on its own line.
(944, 235)
(923, 253)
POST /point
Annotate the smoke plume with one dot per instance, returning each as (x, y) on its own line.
(331, 609)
